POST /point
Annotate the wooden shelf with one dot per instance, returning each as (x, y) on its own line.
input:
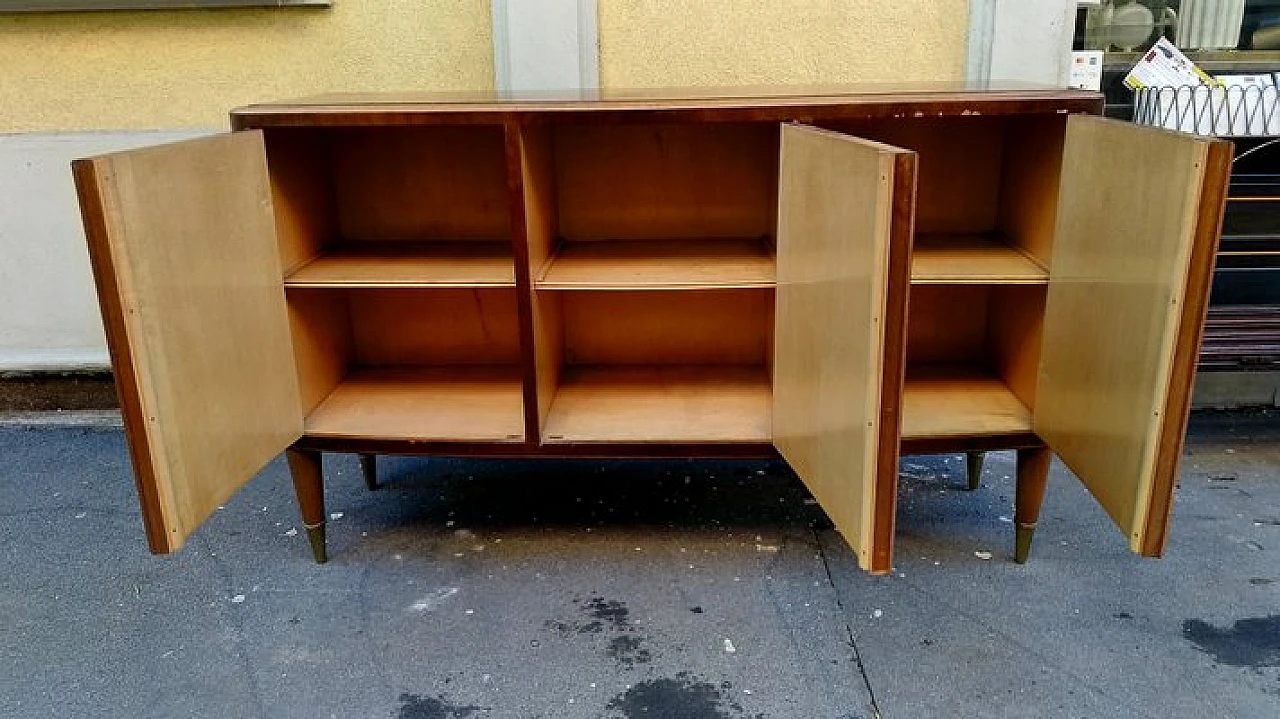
(972, 259)
(423, 403)
(661, 404)
(409, 264)
(957, 402)
(659, 264)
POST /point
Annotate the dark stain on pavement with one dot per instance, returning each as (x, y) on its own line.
(1252, 642)
(415, 706)
(681, 697)
(566, 629)
(610, 611)
(628, 651)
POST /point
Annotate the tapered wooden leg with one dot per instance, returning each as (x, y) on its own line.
(369, 468)
(1033, 475)
(308, 485)
(973, 462)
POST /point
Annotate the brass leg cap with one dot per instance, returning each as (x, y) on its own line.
(369, 468)
(1022, 543)
(974, 461)
(316, 536)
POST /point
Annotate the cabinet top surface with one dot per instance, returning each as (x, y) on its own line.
(749, 103)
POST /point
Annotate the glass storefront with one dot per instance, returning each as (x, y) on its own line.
(1221, 36)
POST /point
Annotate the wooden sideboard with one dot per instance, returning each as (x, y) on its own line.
(838, 277)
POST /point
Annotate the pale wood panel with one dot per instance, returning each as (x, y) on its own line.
(442, 182)
(959, 167)
(1029, 190)
(437, 326)
(323, 344)
(538, 187)
(661, 404)
(667, 327)
(1015, 335)
(948, 323)
(301, 192)
(184, 251)
(836, 201)
(424, 403)
(972, 259)
(659, 264)
(403, 264)
(640, 182)
(1127, 219)
(954, 401)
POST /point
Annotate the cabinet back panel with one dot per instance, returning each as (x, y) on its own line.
(959, 167)
(668, 327)
(947, 324)
(637, 182)
(1015, 332)
(320, 327)
(1029, 192)
(301, 192)
(442, 182)
(435, 327)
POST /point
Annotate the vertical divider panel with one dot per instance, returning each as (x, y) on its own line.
(531, 168)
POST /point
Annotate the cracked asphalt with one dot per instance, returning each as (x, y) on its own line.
(679, 590)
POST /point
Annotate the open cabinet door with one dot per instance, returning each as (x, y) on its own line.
(845, 214)
(1139, 213)
(182, 242)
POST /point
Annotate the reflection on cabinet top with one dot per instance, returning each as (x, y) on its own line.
(759, 103)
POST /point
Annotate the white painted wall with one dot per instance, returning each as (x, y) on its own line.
(1025, 40)
(48, 310)
(545, 45)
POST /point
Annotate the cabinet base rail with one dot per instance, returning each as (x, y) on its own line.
(1032, 473)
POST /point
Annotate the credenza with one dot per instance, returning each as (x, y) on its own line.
(838, 276)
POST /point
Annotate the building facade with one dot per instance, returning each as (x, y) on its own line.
(81, 83)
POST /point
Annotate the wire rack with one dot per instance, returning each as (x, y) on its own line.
(1234, 111)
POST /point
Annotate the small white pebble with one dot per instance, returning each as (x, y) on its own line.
(766, 548)
(728, 647)
(1006, 520)
(82, 515)
(450, 523)
(237, 599)
(470, 611)
(458, 554)
(877, 614)
(639, 549)
(593, 685)
(982, 555)
(292, 532)
(746, 691)
(335, 515)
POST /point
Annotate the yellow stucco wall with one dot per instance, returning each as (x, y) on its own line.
(162, 69)
(672, 43)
